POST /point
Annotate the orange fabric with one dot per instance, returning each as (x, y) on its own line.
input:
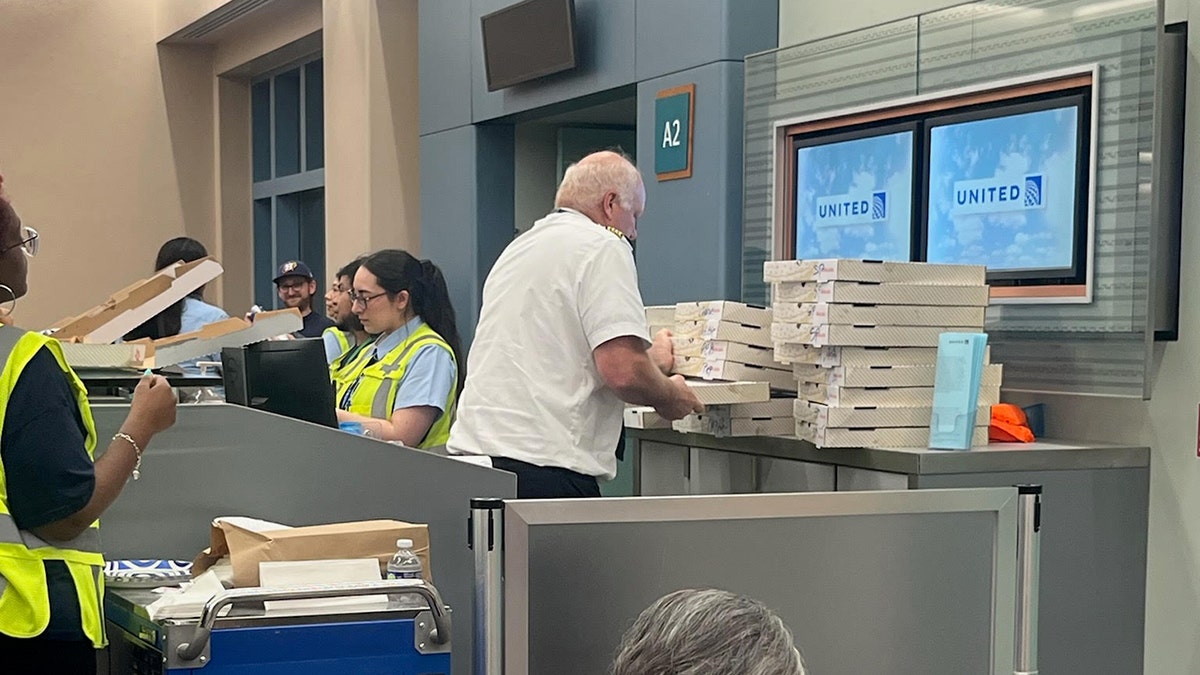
(1009, 425)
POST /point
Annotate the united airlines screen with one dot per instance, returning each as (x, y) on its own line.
(1002, 191)
(854, 198)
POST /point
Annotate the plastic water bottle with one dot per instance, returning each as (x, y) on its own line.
(405, 564)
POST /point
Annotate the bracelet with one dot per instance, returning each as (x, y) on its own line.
(136, 448)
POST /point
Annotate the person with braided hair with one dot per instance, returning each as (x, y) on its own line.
(403, 386)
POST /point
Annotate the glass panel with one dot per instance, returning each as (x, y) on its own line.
(312, 233)
(287, 123)
(314, 115)
(260, 129)
(264, 261)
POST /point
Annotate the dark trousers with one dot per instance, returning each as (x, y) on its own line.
(547, 482)
(39, 656)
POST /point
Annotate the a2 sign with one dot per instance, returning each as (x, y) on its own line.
(674, 122)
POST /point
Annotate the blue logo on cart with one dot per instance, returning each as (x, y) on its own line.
(857, 209)
(997, 195)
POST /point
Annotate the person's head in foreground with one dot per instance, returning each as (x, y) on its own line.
(707, 632)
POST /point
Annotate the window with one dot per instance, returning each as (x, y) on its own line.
(288, 137)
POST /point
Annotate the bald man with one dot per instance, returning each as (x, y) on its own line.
(562, 344)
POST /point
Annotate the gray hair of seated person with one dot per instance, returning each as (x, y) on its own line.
(707, 632)
(585, 182)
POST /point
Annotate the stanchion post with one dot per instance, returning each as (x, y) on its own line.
(1029, 540)
(486, 538)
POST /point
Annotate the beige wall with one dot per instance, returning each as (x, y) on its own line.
(1167, 423)
(112, 141)
(86, 148)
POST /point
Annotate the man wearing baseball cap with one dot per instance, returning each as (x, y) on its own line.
(296, 287)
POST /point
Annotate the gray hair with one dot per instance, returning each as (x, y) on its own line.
(707, 632)
(585, 182)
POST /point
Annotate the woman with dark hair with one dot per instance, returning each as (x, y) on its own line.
(189, 314)
(52, 488)
(404, 385)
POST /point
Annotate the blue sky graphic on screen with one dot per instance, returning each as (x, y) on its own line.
(854, 198)
(1002, 191)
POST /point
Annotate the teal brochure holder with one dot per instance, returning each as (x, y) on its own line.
(956, 390)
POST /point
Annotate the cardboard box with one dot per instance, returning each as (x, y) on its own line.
(776, 407)
(885, 376)
(723, 350)
(829, 357)
(881, 396)
(723, 310)
(718, 393)
(361, 539)
(893, 315)
(713, 369)
(862, 336)
(861, 293)
(137, 303)
(210, 339)
(872, 417)
(721, 425)
(660, 315)
(645, 417)
(876, 271)
(725, 331)
(901, 437)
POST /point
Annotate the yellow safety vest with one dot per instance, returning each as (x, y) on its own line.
(24, 597)
(372, 386)
(343, 339)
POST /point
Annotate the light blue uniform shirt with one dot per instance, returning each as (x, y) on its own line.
(196, 315)
(430, 375)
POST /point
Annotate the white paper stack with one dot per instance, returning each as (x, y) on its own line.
(861, 337)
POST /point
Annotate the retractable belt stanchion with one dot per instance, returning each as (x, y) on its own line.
(486, 539)
(1029, 538)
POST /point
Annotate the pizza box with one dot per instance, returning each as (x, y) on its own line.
(823, 415)
(723, 310)
(862, 336)
(723, 350)
(877, 271)
(897, 437)
(726, 331)
(884, 376)
(863, 293)
(881, 396)
(894, 315)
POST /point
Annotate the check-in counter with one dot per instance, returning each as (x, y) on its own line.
(1096, 511)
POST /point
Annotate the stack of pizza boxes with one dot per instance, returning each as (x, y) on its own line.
(861, 338)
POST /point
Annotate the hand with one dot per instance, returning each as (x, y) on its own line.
(683, 403)
(6, 317)
(152, 410)
(662, 351)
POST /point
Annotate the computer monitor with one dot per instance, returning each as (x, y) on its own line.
(854, 193)
(286, 377)
(1008, 187)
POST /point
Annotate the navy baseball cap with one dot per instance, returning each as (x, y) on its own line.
(293, 268)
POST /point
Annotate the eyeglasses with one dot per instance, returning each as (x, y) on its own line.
(28, 243)
(364, 300)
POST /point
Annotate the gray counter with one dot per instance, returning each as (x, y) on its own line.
(1095, 516)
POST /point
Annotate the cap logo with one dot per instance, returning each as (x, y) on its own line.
(289, 266)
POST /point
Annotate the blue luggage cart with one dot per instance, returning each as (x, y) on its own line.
(410, 637)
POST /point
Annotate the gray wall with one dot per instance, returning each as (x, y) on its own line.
(467, 148)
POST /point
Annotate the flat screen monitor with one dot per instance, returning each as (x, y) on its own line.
(854, 194)
(285, 377)
(528, 40)
(1008, 187)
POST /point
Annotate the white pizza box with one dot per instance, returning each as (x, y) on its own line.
(232, 332)
(660, 315)
(723, 350)
(894, 315)
(211, 339)
(775, 407)
(862, 336)
(645, 417)
(863, 293)
(726, 331)
(121, 355)
(136, 304)
(711, 369)
(723, 310)
(881, 396)
(895, 437)
(719, 423)
(860, 356)
(823, 415)
(885, 376)
(878, 271)
(716, 393)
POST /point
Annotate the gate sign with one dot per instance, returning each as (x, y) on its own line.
(674, 113)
